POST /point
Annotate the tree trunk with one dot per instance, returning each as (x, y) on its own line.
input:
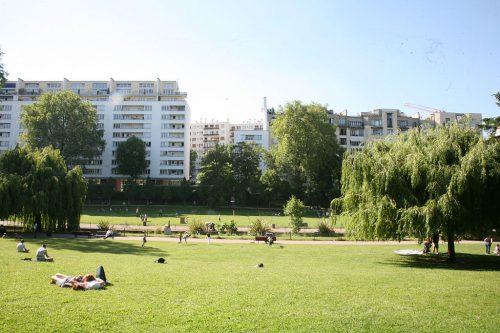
(451, 246)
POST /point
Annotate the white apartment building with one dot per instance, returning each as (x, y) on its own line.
(155, 111)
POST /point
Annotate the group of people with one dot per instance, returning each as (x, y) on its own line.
(431, 242)
(487, 244)
(41, 253)
(79, 282)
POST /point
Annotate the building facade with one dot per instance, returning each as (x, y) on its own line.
(155, 111)
(354, 131)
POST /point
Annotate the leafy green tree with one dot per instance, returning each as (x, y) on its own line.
(276, 187)
(3, 73)
(427, 181)
(215, 177)
(193, 155)
(36, 187)
(131, 157)
(245, 160)
(295, 209)
(307, 153)
(67, 123)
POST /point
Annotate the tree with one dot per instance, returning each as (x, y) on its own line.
(215, 177)
(3, 73)
(193, 156)
(307, 153)
(427, 181)
(491, 125)
(245, 160)
(67, 123)
(131, 157)
(295, 209)
(36, 187)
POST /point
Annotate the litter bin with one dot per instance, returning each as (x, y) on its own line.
(273, 226)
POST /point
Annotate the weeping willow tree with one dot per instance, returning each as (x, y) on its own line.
(444, 180)
(36, 187)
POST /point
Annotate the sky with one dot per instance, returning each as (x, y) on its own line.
(227, 55)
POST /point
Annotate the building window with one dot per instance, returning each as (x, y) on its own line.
(389, 120)
(5, 107)
(343, 131)
(343, 141)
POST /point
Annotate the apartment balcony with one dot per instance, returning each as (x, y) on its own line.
(30, 91)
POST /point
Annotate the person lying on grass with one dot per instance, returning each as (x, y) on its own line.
(80, 282)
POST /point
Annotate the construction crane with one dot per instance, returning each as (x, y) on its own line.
(422, 108)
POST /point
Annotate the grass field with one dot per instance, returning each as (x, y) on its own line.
(242, 217)
(216, 288)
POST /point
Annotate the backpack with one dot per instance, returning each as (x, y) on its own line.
(160, 260)
(100, 273)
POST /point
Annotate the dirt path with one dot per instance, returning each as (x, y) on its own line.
(215, 240)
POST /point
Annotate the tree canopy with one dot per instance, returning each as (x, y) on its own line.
(35, 186)
(215, 177)
(65, 122)
(131, 157)
(307, 154)
(230, 172)
(295, 209)
(491, 125)
(3, 73)
(427, 181)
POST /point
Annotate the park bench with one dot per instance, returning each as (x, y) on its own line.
(82, 233)
(263, 238)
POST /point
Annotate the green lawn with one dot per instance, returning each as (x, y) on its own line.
(125, 214)
(216, 288)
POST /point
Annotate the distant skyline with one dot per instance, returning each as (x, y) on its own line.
(228, 55)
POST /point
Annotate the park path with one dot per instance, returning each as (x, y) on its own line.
(214, 240)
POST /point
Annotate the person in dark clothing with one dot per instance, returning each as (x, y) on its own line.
(435, 243)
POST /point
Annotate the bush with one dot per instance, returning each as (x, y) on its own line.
(197, 227)
(229, 228)
(104, 225)
(258, 228)
(325, 228)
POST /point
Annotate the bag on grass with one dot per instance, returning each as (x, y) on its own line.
(160, 260)
(100, 273)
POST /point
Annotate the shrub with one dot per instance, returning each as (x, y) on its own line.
(103, 225)
(258, 228)
(295, 209)
(229, 228)
(197, 227)
(325, 228)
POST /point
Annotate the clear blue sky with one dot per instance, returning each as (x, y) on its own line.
(227, 55)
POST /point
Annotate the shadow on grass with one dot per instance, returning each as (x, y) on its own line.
(102, 246)
(464, 262)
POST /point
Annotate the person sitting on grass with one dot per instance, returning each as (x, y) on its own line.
(21, 247)
(497, 250)
(42, 255)
(109, 233)
(427, 246)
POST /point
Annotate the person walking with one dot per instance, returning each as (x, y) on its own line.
(208, 237)
(144, 240)
(35, 229)
(487, 244)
